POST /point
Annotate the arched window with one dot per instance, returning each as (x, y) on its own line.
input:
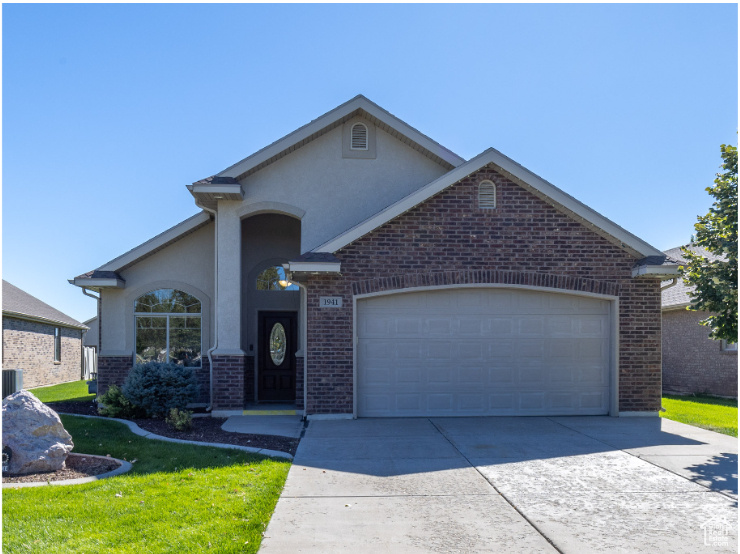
(168, 327)
(273, 278)
(486, 195)
(358, 140)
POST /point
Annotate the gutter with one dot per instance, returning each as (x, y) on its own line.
(673, 283)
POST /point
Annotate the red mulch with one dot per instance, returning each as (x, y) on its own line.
(76, 467)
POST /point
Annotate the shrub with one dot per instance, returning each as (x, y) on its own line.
(114, 404)
(180, 420)
(158, 387)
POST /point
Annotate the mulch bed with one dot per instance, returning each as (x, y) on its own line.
(205, 429)
(76, 467)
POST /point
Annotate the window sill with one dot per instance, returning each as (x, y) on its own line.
(57, 363)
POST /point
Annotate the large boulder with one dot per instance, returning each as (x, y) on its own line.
(34, 434)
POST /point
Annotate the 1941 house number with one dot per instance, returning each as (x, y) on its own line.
(330, 301)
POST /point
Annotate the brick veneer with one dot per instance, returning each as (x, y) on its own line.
(228, 382)
(29, 345)
(692, 362)
(448, 240)
(249, 379)
(112, 370)
(299, 365)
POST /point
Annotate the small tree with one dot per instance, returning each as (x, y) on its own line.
(715, 281)
(158, 387)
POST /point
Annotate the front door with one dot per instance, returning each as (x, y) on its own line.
(277, 346)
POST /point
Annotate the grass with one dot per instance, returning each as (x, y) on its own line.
(177, 498)
(707, 412)
(75, 391)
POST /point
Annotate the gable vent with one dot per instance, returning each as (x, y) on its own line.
(486, 195)
(359, 137)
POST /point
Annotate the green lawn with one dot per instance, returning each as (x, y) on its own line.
(66, 392)
(177, 498)
(707, 412)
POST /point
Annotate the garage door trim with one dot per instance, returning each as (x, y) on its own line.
(613, 321)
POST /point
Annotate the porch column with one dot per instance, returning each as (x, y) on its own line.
(228, 358)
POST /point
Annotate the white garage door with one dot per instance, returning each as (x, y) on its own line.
(482, 351)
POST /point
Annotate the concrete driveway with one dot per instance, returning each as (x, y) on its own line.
(568, 484)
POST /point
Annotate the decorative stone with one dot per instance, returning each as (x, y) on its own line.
(35, 435)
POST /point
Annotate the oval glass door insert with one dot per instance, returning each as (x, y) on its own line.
(277, 344)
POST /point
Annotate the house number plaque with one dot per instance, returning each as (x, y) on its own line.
(330, 302)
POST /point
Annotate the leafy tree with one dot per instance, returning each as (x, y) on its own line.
(715, 280)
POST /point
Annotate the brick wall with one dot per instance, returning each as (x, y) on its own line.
(29, 345)
(228, 382)
(692, 362)
(299, 364)
(112, 370)
(448, 240)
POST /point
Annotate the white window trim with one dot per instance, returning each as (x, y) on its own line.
(351, 136)
(486, 184)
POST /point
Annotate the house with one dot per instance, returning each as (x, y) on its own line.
(692, 362)
(357, 268)
(42, 341)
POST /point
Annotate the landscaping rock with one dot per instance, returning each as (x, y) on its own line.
(35, 435)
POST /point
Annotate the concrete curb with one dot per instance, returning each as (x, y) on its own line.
(146, 434)
(123, 468)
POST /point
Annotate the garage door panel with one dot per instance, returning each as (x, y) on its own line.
(482, 352)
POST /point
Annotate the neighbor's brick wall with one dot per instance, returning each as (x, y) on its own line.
(29, 345)
(692, 362)
(447, 240)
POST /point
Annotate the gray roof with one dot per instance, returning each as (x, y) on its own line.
(678, 295)
(18, 302)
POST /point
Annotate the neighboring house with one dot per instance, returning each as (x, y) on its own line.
(42, 341)
(90, 338)
(357, 268)
(692, 362)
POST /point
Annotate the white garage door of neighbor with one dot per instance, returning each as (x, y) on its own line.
(482, 351)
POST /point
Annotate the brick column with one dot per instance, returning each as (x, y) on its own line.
(228, 382)
(112, 370)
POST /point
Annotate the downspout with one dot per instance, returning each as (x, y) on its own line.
(304, 334)
(215, 307)
(82, 346)
(671, 284)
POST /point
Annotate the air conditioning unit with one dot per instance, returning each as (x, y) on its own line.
(12, 381)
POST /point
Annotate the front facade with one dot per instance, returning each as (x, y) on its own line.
(39, 340)
(692, 362)
(356, 268)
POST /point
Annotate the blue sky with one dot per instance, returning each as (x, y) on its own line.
(110, 110)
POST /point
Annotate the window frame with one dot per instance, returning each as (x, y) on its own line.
(726, 346)
(57, 345)
(290, 288)
(167, 316)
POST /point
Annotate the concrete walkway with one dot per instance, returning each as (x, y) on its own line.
(579, 484)
(281, 425)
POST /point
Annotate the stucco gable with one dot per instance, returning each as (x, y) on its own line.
(357, 106)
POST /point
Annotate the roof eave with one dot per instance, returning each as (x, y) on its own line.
(662, 272)
(46, 320)
(98, 283)
(288, 142)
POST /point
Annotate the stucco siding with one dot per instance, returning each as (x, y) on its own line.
(692, 362)
(187, 264)
(335, 192)
(29, 345)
